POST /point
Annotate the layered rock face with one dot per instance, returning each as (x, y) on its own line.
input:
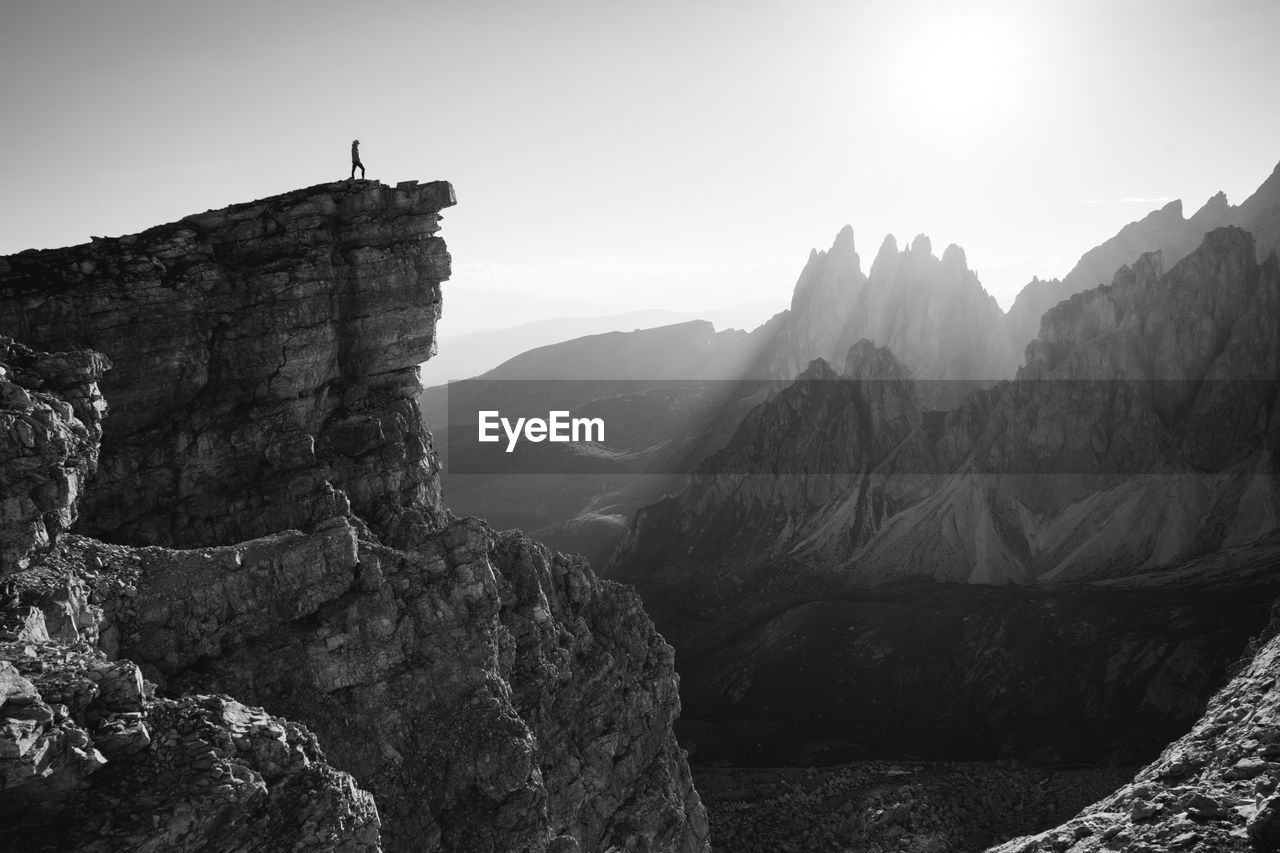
(265, 360)
(275, 526)
(90, 757)
(50, 425)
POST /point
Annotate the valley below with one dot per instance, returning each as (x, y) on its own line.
(1094, 673)
(892, 807)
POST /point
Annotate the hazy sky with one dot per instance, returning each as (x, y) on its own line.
(610, 156)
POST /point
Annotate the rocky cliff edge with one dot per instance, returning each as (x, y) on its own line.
(266, 524)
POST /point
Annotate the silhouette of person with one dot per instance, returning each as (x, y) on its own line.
(355, 159)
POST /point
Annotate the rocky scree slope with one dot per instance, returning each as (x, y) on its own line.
(1216, 788)
(267, 523)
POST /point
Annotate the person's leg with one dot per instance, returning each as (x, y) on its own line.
(361, 165)
(353, 170)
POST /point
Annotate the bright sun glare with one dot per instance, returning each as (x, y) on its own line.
(967, 67)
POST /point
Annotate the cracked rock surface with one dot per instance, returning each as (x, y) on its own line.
(90, 757)
(1217, 788)
(50, 426)
(261, 359)
(266, 529)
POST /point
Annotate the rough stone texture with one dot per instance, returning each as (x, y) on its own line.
(1217, 788)
(50, 427)
(264, 358)
(91, 759)
(491, 694)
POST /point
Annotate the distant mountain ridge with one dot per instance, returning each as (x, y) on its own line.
(934, 314)
(914, 579)
(469, 354)
(638, 382)
(1145, 406)
(931, 312)
(1165, 231)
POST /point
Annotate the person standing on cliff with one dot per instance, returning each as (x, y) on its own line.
(355, 159)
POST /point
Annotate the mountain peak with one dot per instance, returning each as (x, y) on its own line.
(953, 258)
(922, 245)
(886, 257)
(1229, 240)
(817, 369)
(844, 239)
(1172, 210)
(866, 361)
(1214, 209)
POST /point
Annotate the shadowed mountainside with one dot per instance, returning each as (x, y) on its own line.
(1141, 436)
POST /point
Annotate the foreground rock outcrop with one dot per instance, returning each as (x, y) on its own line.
(263, 358)
(1217, 788)
(50, 429)
(90, 757)
(267, 525)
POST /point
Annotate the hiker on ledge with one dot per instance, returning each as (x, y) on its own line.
(355, 159)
